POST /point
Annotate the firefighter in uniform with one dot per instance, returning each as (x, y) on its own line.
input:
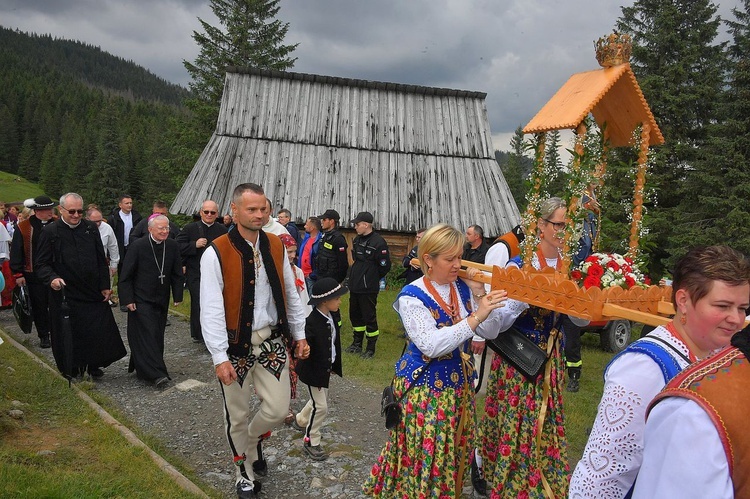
(331, 260)
(371, 263)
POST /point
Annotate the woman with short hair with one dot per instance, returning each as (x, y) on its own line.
(711, 294)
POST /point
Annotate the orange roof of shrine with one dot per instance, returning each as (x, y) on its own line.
(611, 95)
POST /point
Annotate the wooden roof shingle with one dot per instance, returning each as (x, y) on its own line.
(411, 155)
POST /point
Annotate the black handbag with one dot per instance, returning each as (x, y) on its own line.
(520, 352)
(390, 407)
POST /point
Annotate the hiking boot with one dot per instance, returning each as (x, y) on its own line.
(44, 341)
(367, 354)
(296, 426)
(573, 385)
(315, 452)
(370, 351)
(477, 479)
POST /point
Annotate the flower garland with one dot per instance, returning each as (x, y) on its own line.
(609, 270)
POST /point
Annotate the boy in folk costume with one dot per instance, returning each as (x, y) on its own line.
(322, 332)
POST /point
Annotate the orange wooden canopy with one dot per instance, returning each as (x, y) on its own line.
(611, 95)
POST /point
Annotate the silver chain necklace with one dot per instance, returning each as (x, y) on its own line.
(163, 258)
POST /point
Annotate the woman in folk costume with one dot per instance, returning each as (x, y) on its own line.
(710, 292)
(428, 452)
(524, 450)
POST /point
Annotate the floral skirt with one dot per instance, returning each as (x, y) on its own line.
(508, 430)
(424, 453)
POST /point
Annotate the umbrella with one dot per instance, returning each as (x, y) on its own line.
(22, 308)
(66, 338)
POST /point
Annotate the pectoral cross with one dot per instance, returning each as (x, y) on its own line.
(161, 278)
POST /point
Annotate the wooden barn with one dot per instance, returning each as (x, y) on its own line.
(411, 155)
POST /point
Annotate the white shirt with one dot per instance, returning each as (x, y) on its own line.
(275, 227)
(5, 239)
(127, 221)
(332, 324)
(614, 451)
(422, 330)
(683, 456)
(109, 241)
(213, 318)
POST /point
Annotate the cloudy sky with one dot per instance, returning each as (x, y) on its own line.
(517, 51)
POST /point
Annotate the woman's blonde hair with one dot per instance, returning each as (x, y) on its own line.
(437, 240)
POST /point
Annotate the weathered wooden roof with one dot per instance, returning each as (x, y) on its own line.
(411, 155)
(612, 95)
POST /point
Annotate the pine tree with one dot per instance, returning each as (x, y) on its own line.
(515, 170)
(104, 182)
(249, 36)
(680, 69)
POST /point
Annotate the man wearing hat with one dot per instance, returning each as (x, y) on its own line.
(371, 263)
(331, 260)
(25, 244)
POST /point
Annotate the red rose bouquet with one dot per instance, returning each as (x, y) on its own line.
(607, 270)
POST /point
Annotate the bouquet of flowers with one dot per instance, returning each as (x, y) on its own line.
(608, 270)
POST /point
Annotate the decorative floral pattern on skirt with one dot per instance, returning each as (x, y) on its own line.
(509, 433)
(423, 454)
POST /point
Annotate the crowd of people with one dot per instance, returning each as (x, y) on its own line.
(265, 301)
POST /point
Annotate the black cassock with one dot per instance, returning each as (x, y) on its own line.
(149, 272)
(76, 255)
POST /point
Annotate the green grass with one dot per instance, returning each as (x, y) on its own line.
(14, 189)
(88, 458)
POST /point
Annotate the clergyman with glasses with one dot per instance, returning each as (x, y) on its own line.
(193, 240)
(71, 261)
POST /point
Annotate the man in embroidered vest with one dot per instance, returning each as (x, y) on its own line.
(23, 249)
(696, 443)
(250, 311)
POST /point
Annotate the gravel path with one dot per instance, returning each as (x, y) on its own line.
(186, 417)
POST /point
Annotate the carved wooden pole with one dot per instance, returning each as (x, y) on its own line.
(532, 210)
(640, 180)
(573, 205)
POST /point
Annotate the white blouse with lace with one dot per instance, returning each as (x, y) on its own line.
(423, 332)
(614, 451)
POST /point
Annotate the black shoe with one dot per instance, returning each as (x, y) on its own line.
(245, 489)
(95, 372)
(315, 452)
(573, 385)
(477, 479)
(367, 354)
(161, 382)
(260, 467)
(44, 342)
(169, 323)
(197, 340)
(354, 348)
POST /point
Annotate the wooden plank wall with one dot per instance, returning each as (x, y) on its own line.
(413, 159)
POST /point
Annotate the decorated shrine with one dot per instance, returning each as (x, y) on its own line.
(612, 98)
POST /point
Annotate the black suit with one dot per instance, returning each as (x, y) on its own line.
(316, 370)
(191, 259)
(118, 226)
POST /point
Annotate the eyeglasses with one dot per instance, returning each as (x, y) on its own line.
(74, 212)
(209, 212)
(556, 225)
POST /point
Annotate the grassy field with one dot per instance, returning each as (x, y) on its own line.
(580, 408)
(14, 189)
(81, 457)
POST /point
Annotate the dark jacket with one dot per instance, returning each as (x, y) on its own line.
(332, 260)
(475, 255)
(191, 256)
(371, 262)
(410, 274)
(316, 369)
(118, 227)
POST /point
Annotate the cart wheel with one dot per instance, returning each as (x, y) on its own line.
(616, 336)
